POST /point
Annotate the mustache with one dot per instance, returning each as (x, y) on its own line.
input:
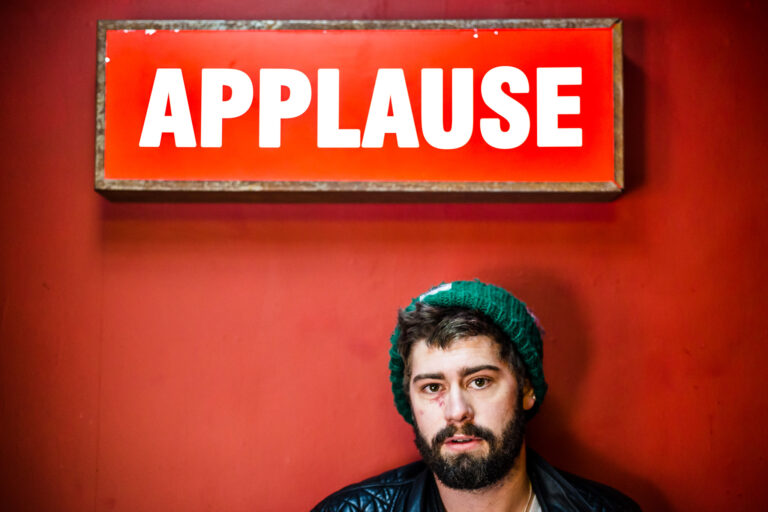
(469, 429)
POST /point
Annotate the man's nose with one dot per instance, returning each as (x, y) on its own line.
(457, 406)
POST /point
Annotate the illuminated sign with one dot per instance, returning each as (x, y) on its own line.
(462, 109)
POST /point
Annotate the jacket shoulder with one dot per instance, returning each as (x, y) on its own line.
(600, 495)
(570, 492)
(381, 493)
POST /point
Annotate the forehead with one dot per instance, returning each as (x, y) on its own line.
(461, 353)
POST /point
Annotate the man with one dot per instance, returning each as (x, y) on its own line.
(466, 372)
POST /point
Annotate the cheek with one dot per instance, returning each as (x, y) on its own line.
(495, 414)
(429, 408)
(429, 417)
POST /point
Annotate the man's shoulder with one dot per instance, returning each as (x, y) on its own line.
(410, 487)
(604, 496)
(575, 492)
(387, 491)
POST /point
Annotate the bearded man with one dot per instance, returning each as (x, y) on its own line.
(466, 372)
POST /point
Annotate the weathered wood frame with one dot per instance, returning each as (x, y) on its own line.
(359, 191)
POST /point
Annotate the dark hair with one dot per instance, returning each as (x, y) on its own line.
(440, 326)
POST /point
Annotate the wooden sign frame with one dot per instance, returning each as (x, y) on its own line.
(357, 191)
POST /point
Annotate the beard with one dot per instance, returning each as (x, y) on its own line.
(466, 471)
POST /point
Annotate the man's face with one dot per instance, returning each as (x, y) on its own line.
(467, 408)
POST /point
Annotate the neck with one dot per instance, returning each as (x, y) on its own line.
(509, 494)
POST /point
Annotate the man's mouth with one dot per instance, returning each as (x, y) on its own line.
(461, 439)
(462, 442)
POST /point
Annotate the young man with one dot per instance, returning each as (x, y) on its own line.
(466, 372)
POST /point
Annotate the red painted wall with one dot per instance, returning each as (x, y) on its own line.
(233, 357)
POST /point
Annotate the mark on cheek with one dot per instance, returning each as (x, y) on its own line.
(441, 402)
(420, 412)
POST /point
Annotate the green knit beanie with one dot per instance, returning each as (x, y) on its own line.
(510, 314)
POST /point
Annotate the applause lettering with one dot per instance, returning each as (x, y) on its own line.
(390, 94)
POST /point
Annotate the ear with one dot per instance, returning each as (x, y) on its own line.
(529, 398)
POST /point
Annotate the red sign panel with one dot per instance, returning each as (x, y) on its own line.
(499, 106)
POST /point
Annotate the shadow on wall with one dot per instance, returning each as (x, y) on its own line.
(567, 360)
(112, 211)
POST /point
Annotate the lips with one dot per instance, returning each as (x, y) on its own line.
(462, 442)
(461, 439)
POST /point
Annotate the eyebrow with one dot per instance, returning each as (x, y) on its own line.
(463, 372)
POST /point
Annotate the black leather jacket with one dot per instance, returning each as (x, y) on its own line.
(412, 488)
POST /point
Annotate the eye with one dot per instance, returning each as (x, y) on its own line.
(431, 388)
(479, 382)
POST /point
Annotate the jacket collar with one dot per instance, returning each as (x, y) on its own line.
(553, 491)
